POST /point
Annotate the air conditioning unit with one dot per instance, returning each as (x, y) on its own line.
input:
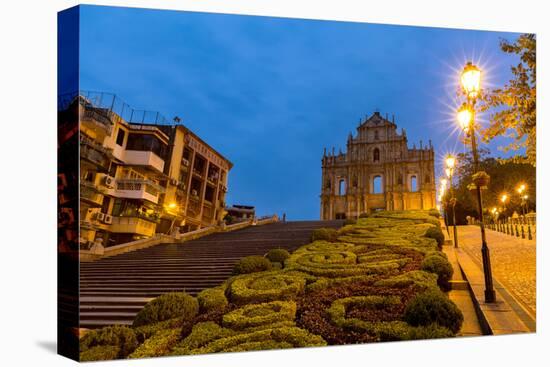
(173, 182)
(108, 219)
(100, 216)
(185, 162)
(182, 186)
(109, 181)
(194, 192)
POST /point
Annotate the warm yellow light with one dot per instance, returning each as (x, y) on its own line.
(503, 198)
(525, 197)
(438, 207)
(464, 116)
(521, 188)
(444, 182)
(494, 210)
(471, 80)
(450, 161)
(172, 205)
(448, 172)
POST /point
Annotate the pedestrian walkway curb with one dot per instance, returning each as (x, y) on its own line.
(500, 317)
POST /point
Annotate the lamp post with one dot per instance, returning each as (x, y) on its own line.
(471, 85)
(441, 199)
(520, 190)
(450, 163)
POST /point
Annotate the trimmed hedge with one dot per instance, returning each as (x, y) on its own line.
(167, 306)
(211, 338)
(264, 287)
(324, 234)
(434, 213)
(252, 264)
(105, 341)
(278, 255)
(212, 299)
(438, 265)
(433, 307)
(260, 314)
(349, 222)
(421, 280)
(437, 234)
(157, 345)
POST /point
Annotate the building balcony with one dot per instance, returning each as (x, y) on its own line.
(137, 189)
(97, 118)
(134, 225)
(90, 194)
(144, 158)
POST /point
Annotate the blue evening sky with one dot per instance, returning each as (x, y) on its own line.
(270, 93)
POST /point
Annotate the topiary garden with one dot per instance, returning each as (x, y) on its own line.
(380, 278)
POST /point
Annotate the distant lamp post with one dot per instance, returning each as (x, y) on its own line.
(521, 190)
(450, 163)
(471, 85)
(442, 190)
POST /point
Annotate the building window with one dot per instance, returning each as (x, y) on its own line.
(148, 143)
(376, 137)
(414, 184)
(120, 137)
(377, 185)
(342, 187)
(427, 179)
(376, 155)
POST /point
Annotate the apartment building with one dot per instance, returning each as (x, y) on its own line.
(141, 175)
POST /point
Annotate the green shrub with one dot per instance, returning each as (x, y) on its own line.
(324, 234)
(265, 287)
(260, 314)
(434, 213)
(277, 255)
(144, 332)
(437, 234)
(167, 306)
(252, 264)
(438, 265)
(433, 307)
(212, 299)
(422, 281)
(100, 353)
(212, 339)
(121, 338)
(432, 331)
(349, 222)
(157, 345)
(364, 215)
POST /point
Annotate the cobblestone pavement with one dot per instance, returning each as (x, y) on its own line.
(513, 261)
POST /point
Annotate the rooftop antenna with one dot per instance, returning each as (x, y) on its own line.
(177, 120)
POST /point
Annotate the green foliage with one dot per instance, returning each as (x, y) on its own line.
(514, 106)
(348, 222)
(121, 338)
(212, 299)
(437, 234)
(167, 306)
(252, 264)
(100, 353)
(266, 286)
(277, 255)
(157, 345)
(363, 215)
(432, 331)
(434, 213)
(439, 265)
(324, 234)
(420, 279)
(210, 338)
(260, 314)
(144, 332)
(433, 307)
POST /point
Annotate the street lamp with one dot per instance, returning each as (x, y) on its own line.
(520, 190)
(442, 190)
(471, 85)
(450, 163)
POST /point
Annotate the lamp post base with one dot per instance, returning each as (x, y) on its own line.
(490, 296)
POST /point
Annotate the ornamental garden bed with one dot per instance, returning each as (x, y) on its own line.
(380, 278)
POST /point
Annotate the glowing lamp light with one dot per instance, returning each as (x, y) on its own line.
(448, 172)
(471, 80)
(172, 205)
(450, 161)
(525, 197)
(464, 116)
(503, 198)
(521, 188)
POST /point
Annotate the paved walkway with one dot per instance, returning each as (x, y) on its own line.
(513, 262)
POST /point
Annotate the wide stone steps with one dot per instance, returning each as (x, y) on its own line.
(114, 289)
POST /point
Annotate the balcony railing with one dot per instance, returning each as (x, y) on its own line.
(133, 225)
(90, 194)
(144, 158)
(138, 189)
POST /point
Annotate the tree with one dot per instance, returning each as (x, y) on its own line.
(514, 105)
(505, 175)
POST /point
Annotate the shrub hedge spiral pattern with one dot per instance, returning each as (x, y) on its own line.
(265, 286)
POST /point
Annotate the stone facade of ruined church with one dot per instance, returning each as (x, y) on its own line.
(377, 172)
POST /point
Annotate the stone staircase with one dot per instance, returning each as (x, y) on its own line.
(114, 289)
